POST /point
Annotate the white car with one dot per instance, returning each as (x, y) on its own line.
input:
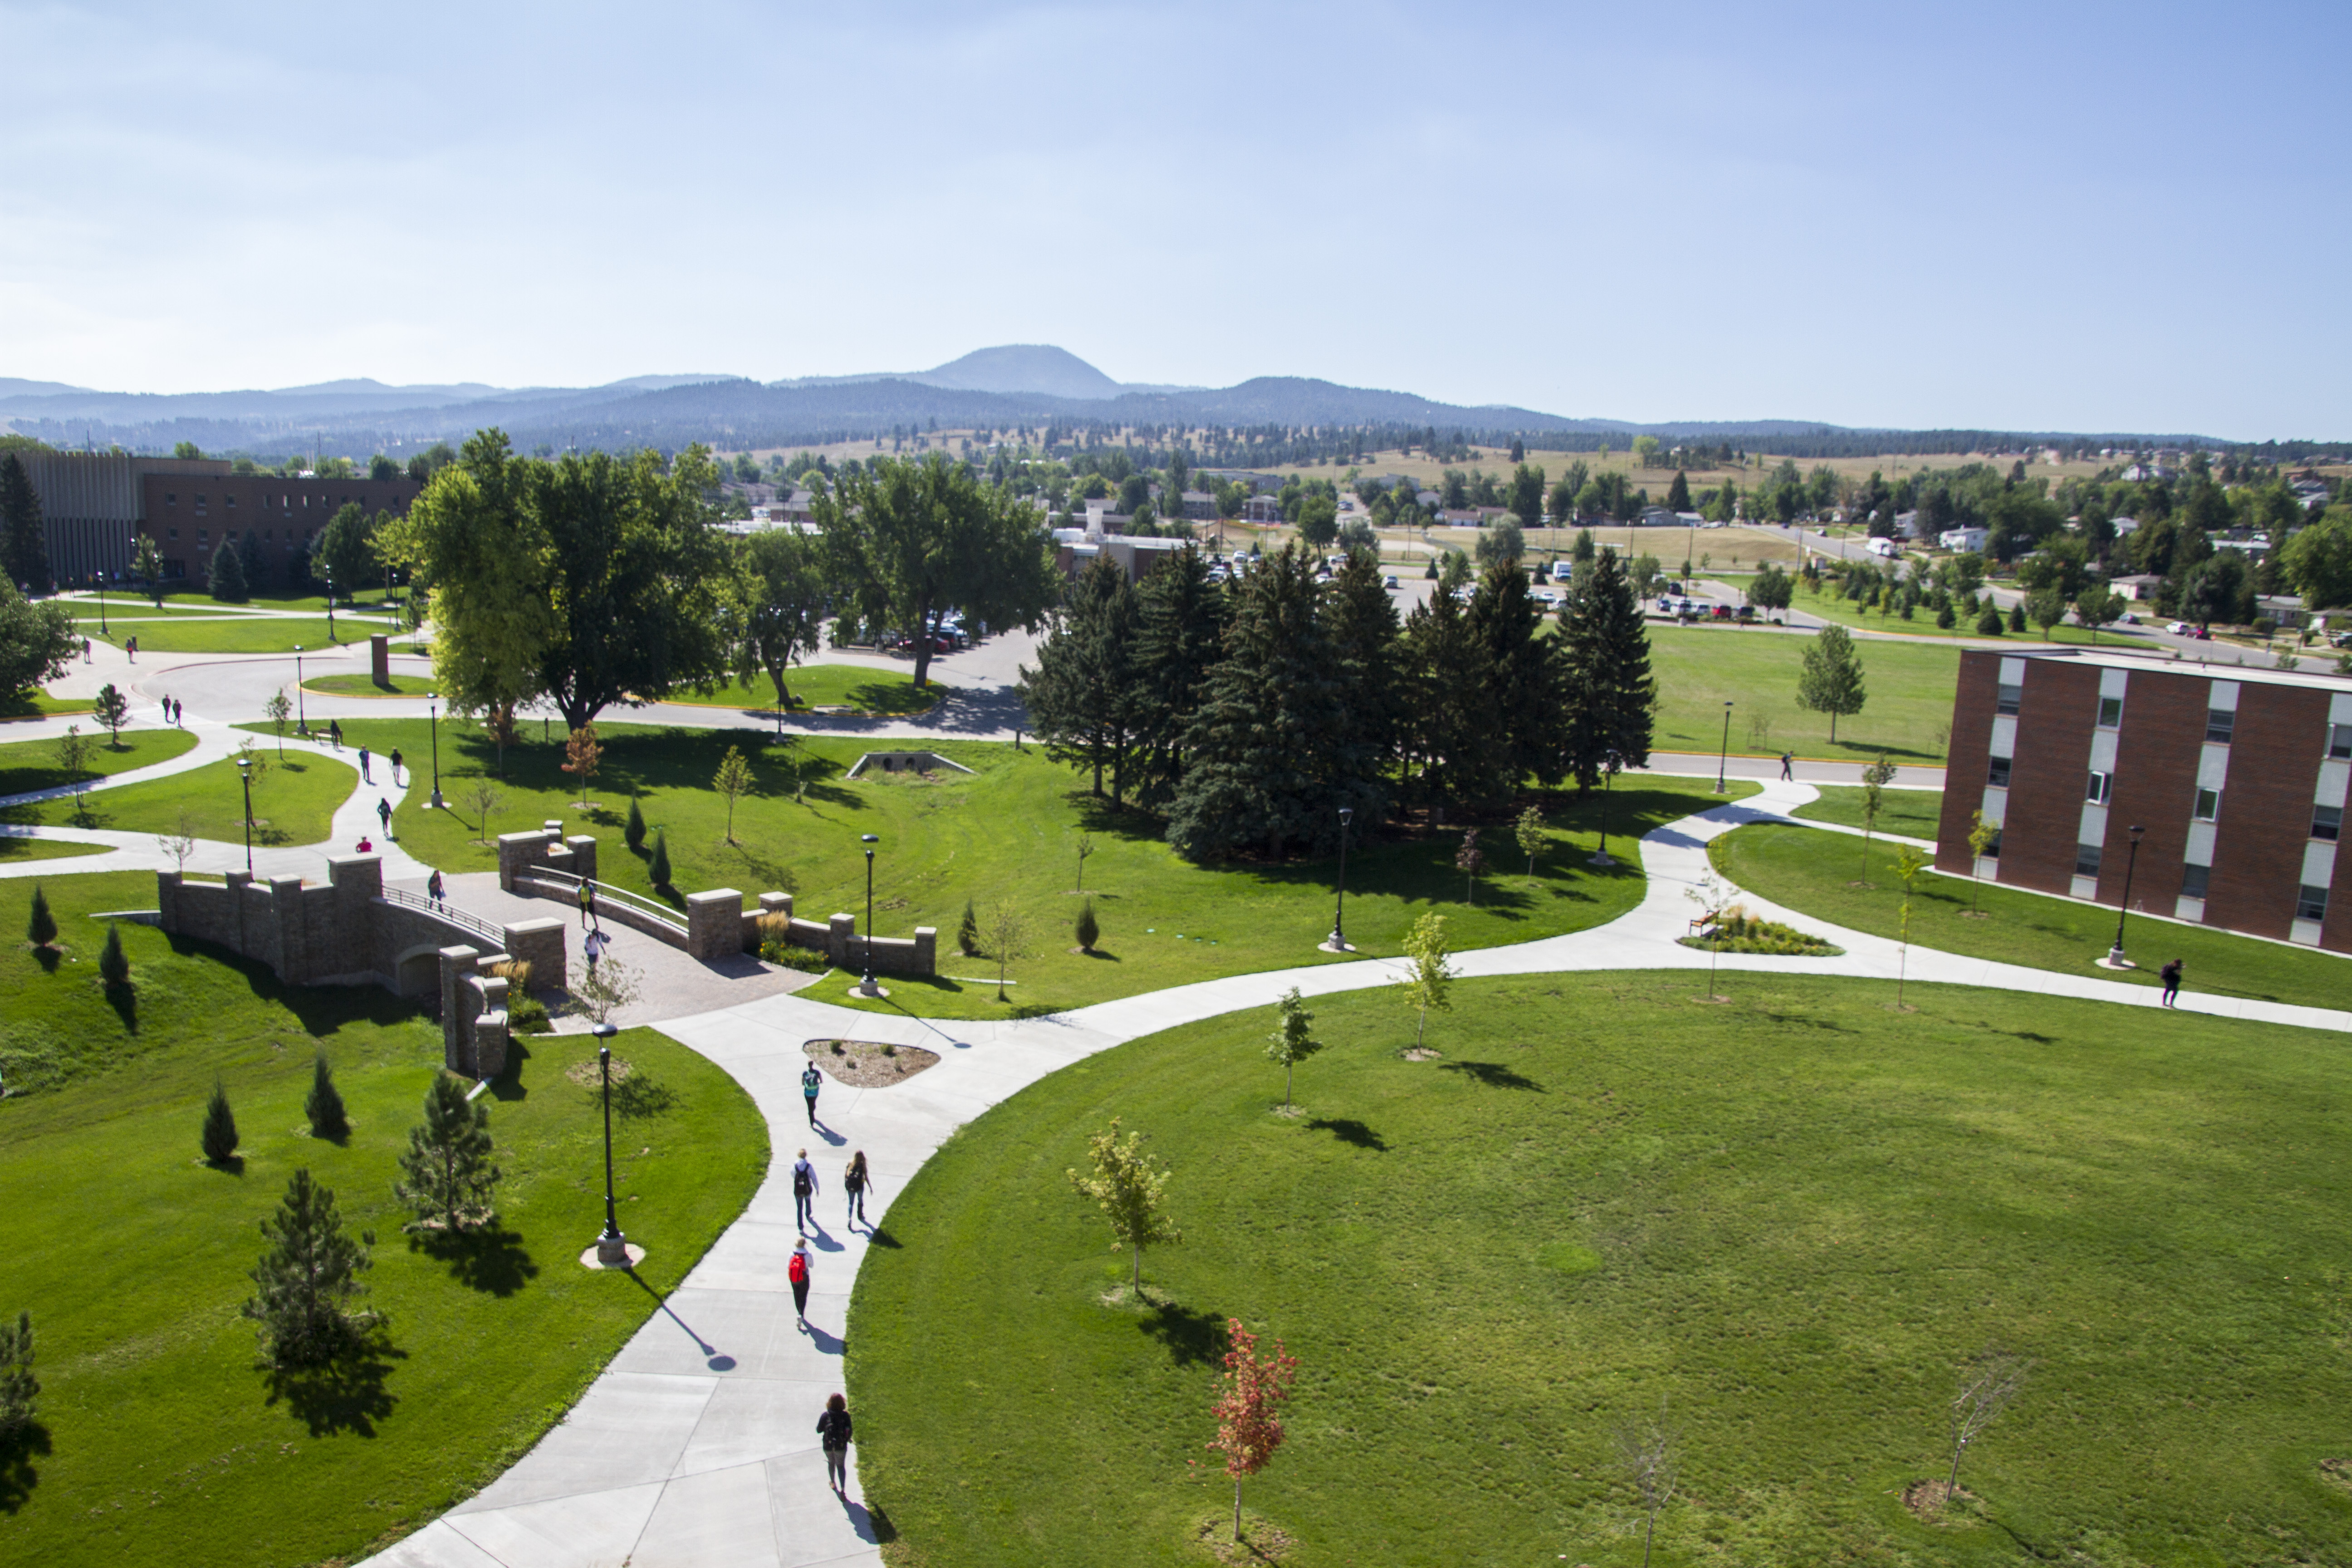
(2177, 629)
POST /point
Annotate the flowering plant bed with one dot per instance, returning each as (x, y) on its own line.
(1737, 930)
(869, 1064)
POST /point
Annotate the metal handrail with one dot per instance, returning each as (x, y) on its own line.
(636, 901)
(459, 918)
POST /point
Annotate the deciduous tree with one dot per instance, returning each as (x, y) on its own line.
(1429, 982)
(1249, 1407)
(733, 781)
(1008, 934)
(1132, 1193)
(1830, 681)
(780, 597)
(113, 711)
(1987, 1386)
(1982, 836)
(1292, 1040)
(583, 755)
(1649, 1455)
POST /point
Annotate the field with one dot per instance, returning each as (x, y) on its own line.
(1790, 1220)
(859, 687)
(365, 686)
(1910, 813)
(29, 766)
(1812, 873)
(1830, 606)
(1011, 832)
(1907, 718)
(161, 1441)
(294, 802)
(244, 634)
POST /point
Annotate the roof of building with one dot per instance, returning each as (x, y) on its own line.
(2202, 669)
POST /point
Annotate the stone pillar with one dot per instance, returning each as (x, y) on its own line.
(714, 924)
(840, 940)
(293, 956)
(926, 950)
(380, 658)
(482, 1037)
(539, 943)
(237, 882)
(517, 853)
(167, 899)
(457, 967)
(776, 904)
(584, 854)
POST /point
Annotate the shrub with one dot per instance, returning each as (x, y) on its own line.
(1989, 623)
(113, 963)
(307, 1280)
(324, 1104)
(220, 1128)
(633, 832)
(1737, 930)
(1088, 929)
(657, 869)
(528, 1016)
(18, 1386)
(967, 932)
(515, 972)
(42, 928)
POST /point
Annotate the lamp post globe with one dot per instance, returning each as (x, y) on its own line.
(611, 1247)
(866, 986)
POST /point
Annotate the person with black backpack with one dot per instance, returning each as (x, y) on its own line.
(804, 1189)
(855, 1181)
(832, 1430)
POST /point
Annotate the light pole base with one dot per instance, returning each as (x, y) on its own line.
(869, 990)
(435, 803)
(1335, 942)
(2115, 960)
(613, 1252)
(1601, 858)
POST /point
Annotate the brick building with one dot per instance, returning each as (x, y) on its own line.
(190, 515)
(2235, 777)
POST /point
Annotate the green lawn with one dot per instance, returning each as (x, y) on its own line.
(15, 849)
(365, 686)
(1009, 832)
(246, 634)
(1910, 813)
(39, 704)
(136, 611)
(1811, 873)
(29, 766)
(293, 801)
(1789, 1217)
(850, 686)
(1828, 607)
(1908, 687)
(162, 1442)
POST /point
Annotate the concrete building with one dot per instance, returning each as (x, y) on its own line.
(190, 514)
(2218, 796)
(93, 505)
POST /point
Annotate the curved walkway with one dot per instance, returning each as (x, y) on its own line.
(697, 1444)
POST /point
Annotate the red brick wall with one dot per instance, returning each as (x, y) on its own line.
(2274, 753)
(287, 511)
(1964, 771)
(2156, 786)
(2059, 709)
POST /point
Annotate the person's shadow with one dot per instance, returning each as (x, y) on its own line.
(873, 1526)
(830, 1136)
(825, 1343)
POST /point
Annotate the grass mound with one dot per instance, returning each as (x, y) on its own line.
(1739, 932)
(1794, 1218)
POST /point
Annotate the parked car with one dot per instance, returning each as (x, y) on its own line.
(1388, 583)
(2177, 629)
(1720, 613)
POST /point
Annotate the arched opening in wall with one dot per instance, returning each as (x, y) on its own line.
(417, 975)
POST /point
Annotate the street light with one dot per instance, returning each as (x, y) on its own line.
(2115, 958)
(1723, 757)
(612, 1247)
(1339, 942)
(1611, 761)
(432, 718)
(867, 987)
(330, 572)
(99, 579)
(245, 771)
(301, 719)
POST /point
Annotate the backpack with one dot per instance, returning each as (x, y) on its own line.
(797, 1270)
(800, 1187)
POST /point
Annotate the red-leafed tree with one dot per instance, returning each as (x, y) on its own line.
(1249, 1400)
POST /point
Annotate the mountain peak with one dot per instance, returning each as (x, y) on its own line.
(1038, 368)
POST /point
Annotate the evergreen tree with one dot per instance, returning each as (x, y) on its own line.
(1584, 548)
(1944, 619)
(1454, 727)
(220, 1128)
(967, 930)
(1830, 681)
(226, 580)
(260, 573)
(19, 1387)
(1989, 623)
(113, 963)
(1268, 747)
(324, 1104)
(306, 1283)
(1679, 496)
(1088, 930)
(447, 1171)
(1359, 619)
(633, 832)
(1080, 696)
(1180, 637)
(1611, 697)
(1526, 672)
(42, 928)
(2017, 616)
(22, 535)
(657, 867)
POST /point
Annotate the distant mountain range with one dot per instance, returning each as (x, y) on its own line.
(1013, 386)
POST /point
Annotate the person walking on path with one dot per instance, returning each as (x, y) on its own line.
(591, 948)
(85, 653)
(335, 732)
(383, 815)
(396, 765)
(587, 896)
(804, 1189)
(1787, 758)
(811, 1081)
(435, 889)
(179, 711)
(2170, 973)
(832, 1430)
(363, 767)
(797, 1271)
(130, 646)
(853, 1182)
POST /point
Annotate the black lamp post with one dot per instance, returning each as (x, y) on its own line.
(2131, 864)
(330, 573)
(1610, 762)
(245, 771)
(1339, 942)
(867, 985)
(1723, 757)
(433, 718)
(302, 711)
(99, 579)
(612, 1247)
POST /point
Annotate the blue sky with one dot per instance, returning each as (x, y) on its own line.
(2056, 215)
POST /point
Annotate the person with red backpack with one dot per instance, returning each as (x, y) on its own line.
(797, 1271)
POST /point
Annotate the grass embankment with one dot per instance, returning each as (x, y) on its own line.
(37, 704)
(855, 686)
(294, 802)
(366, 686)
(1011, 832)
(1907, 813)
(1811, 873)
(244, 634)
(162, 1442)
(29, 766)
(1790, 1218)
(1828, 607)
(1907, 715)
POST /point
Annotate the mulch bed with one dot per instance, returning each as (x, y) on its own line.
(869, 1064)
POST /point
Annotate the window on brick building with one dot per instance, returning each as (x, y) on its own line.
(2111, 713)
(2326, 821)
(2101, 784)
(1993, 850)
(171, 533)
(2340, 740)
(2209, 804)
(2193, 881)
(171, 499)
(2006, 698)
(2219, 724)
(2311, 904)
(2086, 859)
(1998, 776)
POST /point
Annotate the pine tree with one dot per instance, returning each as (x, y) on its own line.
(1079, 696)
(42, 928)
(324, 1105)
(1527, 672)
(1456, 737)
(260, 575)
(657, 869)
(1989, 623)
(1830, 681)
(19, 1387)
(447, 1169)
(1679, 496)
(1944, 619)
(967, 930)
(22, 535)
(1359, 620)
(2017, 616)
(1180, 638)
(306, 1283)
(220, 1128)
(633, 832)
(226, 581)
(113, 963)
(1088, 929)
(1612, 700)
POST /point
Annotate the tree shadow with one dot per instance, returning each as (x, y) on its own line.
(1190, 1337)
(48, 958)
(493, 1260)
(124, 1000)
(639, 1097)
(1350, 1131)
(18, 1475)
(347, 1394)
(1494, 1075)
(233, 1166)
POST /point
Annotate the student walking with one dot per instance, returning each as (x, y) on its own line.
(179, 710)
(383, 815)
(2170, 973)
(811, 1081)
(434, 889)
(85, 653)
(587, 897)
(396, 765)
(853, 1182)
(591, 948)
(832, 1430)
(804, 1189)
(130, 646)
(797, 1271)
(335, 732)
(363, 767)
(1786, 758)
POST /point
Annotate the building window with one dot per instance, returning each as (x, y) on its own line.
(2326, 821)
(2193, 879)
(2111, 713)
(2340, 740)
(2086, 859)
(2006, 698)
(2311, 904)
(204, 535)
(1998, 777)
(2219, 723)
(171, 533)
(229, 501)
(171, 499)
(2209, 804)
(1993, 850)
(2100, 785)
